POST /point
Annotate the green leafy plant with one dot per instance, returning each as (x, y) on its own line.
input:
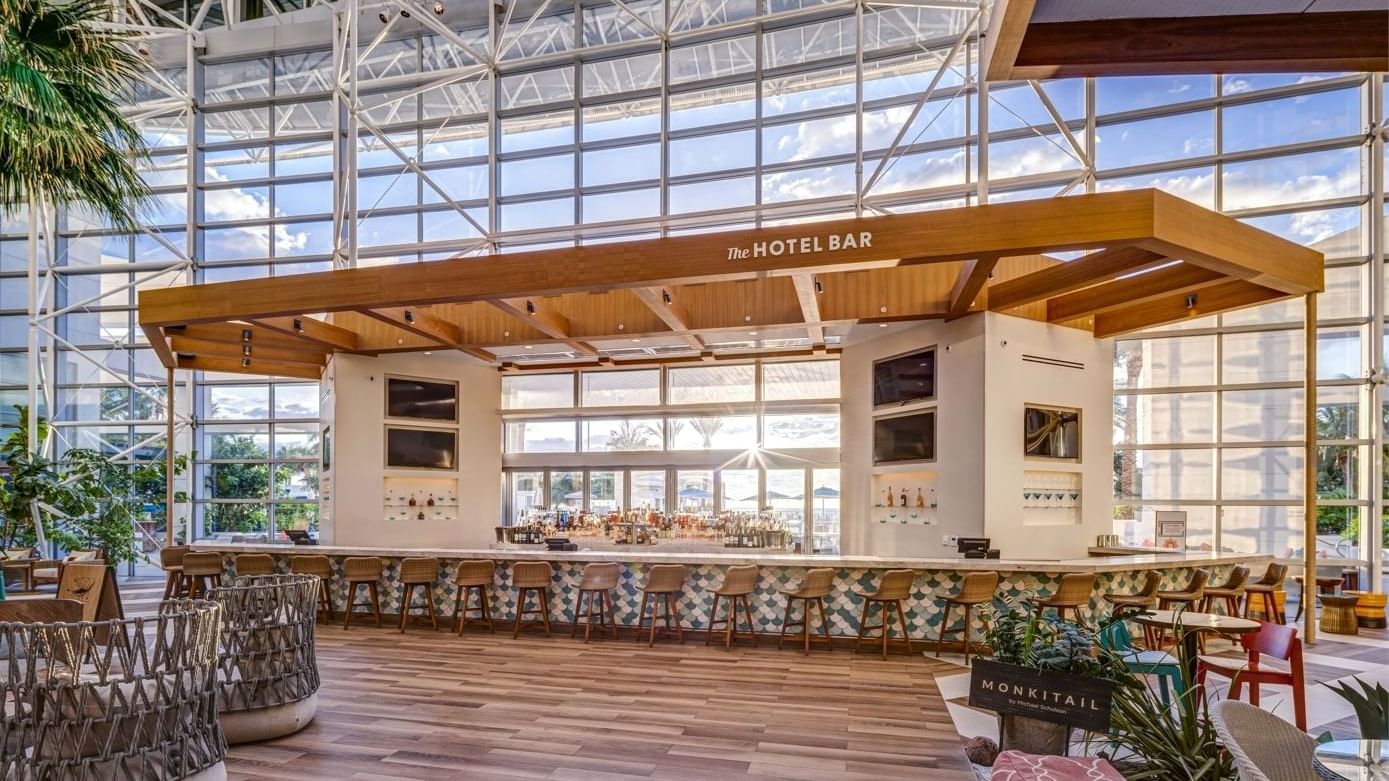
(1371, 707)
(1019, 636)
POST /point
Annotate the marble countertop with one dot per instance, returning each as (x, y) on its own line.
(645, 555)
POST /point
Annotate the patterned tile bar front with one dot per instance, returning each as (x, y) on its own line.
(935, 579)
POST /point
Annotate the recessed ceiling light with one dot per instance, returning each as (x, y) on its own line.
(530, 347)
(427, 352)
(636, 340)
(752, 333)
(882, 325)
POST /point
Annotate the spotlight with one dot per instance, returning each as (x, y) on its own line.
(404, 14)
(245, 334)
(409, 317)
(245, 363)
(245, 349)
(1190, 300)
(530, 307)
(298, 325)
(382, 17)
(819, 288)
(665, 296)
(438, 9)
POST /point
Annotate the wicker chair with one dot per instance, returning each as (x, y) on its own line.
(1189, 595)
(202, 572)
(474, 576)
(1264, 746)
(895, 587)
(597, 584)
(418, 573)
(267, 672)
(1072, 595)
(977, 589)
(816, 585)
(320, 567)
(738, 582)
(171, 561)
(664, 582)
(142, 706)
(362, 571)
(1263, 588)
(531, 577)
(248, 564)
(51, 571)
(1144, 597)
(1229, 593)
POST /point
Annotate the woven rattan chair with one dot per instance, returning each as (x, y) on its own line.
(812, 591)
(320, 567)
(738, 582)
(1144, 597)
(531, 577)
(267, 671)
(597, 584)
(978, 588)
(362, 571)
(249, 564)
(202, 572)
(171, 561)
(1263, 589)
(51, 571)
(1228, 593)
(895, 587)
(474, 576)
(1264, 746)
(142, 705)
(664, 582)
(1188, 596)
(1072, 594)
(418, 573)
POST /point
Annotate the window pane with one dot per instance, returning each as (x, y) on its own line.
(1262, 415)
(238, 518)
(824, 510)
(649, 490)
(711, 384)
(1164, 418)
(800, 430)
(1261, 473)
(1273, 530)
(1273, 356)
(566, 491)
(739, 488)
(786, 497)
(800, 380)
(622, 434)
(540, 436)
(238, 442)
(526, 488)
(695, 491)
(296, 440)
(538, 391)
(736, 432)
(237, 481)
(296, 401)
(1165, 474)
(238, 402)
(1158, 363)
(621, 389)
(605, 492)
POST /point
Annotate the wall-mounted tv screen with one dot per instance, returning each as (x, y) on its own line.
(419, 448)
(905, 378)
(409, 398)
(905, 438)
(1051, 432)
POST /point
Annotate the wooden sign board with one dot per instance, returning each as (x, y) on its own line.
(94, 585)
(1073, 700)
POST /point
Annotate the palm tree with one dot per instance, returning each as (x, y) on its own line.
(63, 138)
(707, 428)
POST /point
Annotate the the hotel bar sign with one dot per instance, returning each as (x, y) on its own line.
(802, 245)
(1074, 700)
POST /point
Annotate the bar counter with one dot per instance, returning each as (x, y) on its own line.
(936, 578)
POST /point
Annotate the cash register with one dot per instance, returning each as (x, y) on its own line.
(976, 548)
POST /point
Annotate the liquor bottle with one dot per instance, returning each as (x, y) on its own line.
(430, 500)
(412, 500)
(904, 498)
(420, 517)
(889, 496)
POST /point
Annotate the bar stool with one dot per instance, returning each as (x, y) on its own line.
(320, 567)
(895, 587)
(171, 561)
(418, 573)
(248, 564)
(1230, 592)
(362, 571)
(474, 576)
(597, 584)
(202, 572)
(1072, 594)
(738, 582)
(1144, 597)
(1263, 588)
(528, 577)
(1188, 596)
(664, 582)
(977, 589)
(812, 592)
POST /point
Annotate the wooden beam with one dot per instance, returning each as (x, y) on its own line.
(672, 314)
(185, 346)
(1356, 41)
(160, 343)
(971, 279)
(441, 331)
(313, 330)
(545, 320)
(1092, 269)
(809, 300)
(257, 366)
(235, 333)
(1008, 24)
(1309, 464)
(170, 459)
(1181, 278)
(705, 357)
(1173, 308)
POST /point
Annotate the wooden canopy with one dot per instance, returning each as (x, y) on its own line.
(1044, 39)
(707, 297)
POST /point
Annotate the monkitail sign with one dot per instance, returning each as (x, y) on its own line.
(1073, 700)
(802, 245)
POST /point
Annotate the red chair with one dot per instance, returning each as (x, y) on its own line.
(1277, 641)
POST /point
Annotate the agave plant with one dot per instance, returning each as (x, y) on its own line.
(63, 138)
(1371, 707)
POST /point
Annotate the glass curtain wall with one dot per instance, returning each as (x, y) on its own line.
(596, 121)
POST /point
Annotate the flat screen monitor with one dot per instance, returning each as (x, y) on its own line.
(417, 448)
(409, 398)
(905, 438)
(1051, 432)
(905, 378)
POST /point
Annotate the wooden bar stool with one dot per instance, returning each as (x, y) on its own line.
(738, 582)
(895, 587)
(1263, 588)
(978, 588)
(1188, 596)
(249, 564)
(1143, 598)
(202, 572)
(531, 577)
(474, 577)
(1072, 595)
(362, 571)
(418, 573)
(597, 584)
(812, 592)
(171, 561)
(1230, 592)
(665, 582)
(320, 567)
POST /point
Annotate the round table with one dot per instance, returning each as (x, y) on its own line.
(1190, 625)
(1353, 760)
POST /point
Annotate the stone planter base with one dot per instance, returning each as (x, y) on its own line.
(1032, 736)
(250, 726)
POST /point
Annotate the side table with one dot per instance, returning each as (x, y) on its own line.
(1338, 614)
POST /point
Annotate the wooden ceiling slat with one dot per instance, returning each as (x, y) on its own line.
(1180, 278)
(184, 345)
(1172, 308)
(1102, 266)
(313, 330)
(250, 366)
(970, 281)
(808, 299)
